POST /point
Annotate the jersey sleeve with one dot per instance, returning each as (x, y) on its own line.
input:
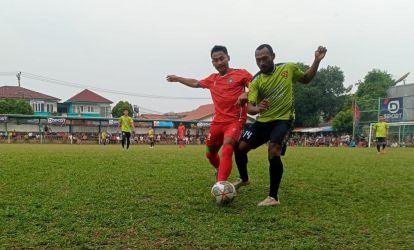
(206, 83)
(298, 74)
(253, 92)
(247, 78)
(387, 126)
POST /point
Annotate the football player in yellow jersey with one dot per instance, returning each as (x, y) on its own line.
(126, 125)
(381, 133)
(271, 96)
(151, 136)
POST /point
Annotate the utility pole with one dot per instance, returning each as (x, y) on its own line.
(18, 77)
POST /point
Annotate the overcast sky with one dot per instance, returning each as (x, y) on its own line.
(132, 45)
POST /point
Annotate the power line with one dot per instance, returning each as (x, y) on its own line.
(111, 91)
(72, 84)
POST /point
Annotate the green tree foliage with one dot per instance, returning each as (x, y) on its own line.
(375, 84)
(119, 108)
(343, 121)
(12, 106)
(324, 96)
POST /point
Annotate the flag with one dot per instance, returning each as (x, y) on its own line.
(356, 113)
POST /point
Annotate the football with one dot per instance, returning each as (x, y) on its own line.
(223, 192)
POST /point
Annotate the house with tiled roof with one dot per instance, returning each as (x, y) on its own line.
(203, 113)
(88, 104)
(42, 104)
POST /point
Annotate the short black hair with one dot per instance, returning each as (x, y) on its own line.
(218, 48)
(266, 46)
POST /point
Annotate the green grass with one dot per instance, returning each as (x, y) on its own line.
(89, 197)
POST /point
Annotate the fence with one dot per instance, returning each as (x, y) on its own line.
(43, 129)
(397, 111)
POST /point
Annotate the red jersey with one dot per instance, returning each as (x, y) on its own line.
(225, 91)
(181, 131)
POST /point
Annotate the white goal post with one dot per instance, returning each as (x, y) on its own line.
(391, 124)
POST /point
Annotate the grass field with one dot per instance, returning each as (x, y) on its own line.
(89, 197)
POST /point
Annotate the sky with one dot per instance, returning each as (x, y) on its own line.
(130, 46)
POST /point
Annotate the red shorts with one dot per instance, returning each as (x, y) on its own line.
(218, 132)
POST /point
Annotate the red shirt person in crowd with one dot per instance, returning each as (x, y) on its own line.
(181, 135)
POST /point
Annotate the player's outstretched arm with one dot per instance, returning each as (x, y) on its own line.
(311, 72)
(193, 83)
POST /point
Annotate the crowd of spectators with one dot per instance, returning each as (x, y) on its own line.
(91, 138)
(296, 140)
(320, 140)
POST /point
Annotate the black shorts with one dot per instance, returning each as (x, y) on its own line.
(126, 134)
(381, 140)
(277, 132)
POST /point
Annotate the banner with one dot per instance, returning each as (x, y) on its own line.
(3, 119)
(113, 123)
(203, 124)
(56, 121)
(392, 109)
(163, 124)
(143, 124)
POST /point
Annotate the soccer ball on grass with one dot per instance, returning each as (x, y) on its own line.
(223, 192)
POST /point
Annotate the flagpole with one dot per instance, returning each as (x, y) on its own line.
(353, 118)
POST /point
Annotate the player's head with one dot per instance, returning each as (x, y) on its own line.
(126, 111)
(265, 58)
(181, 123)
(220, 58)
(381, 118)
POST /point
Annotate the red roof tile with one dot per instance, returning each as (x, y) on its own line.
(16, 92)
(199, 113)
(153, 117)
(88, 96)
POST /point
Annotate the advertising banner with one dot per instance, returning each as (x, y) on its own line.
(392, 109)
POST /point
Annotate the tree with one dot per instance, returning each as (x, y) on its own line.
(375, 84)
(12, 106)
(342, 122)
(324, 96)
(119, 108)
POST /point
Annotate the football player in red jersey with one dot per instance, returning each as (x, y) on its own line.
(227, 88)
(181, 135)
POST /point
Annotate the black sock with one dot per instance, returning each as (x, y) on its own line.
(123, 140)
(241, 162)
(378, 147)
(383, 146)
(128, 142)
(275, 172)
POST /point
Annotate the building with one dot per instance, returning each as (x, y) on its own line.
(88, 104)
(42, 104)
(203, 113)
(402, 96)
(401, 90)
